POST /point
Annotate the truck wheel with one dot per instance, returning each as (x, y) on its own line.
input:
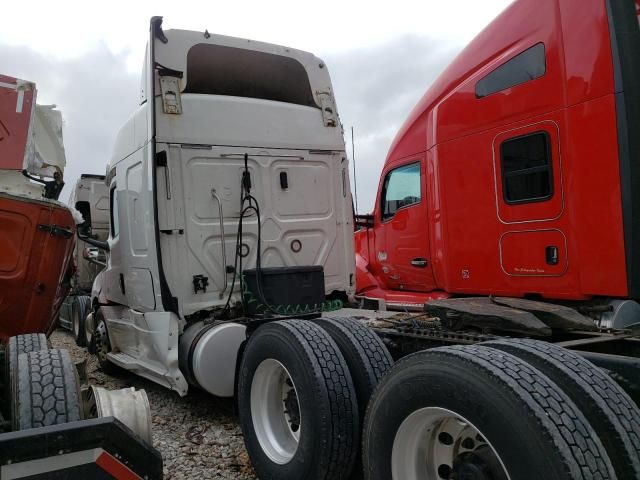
(79, 310)
(45, 390)
(102, 344)
(297, 403)
(611, 412)
(476, 412)
(366, 356)
(31, 342)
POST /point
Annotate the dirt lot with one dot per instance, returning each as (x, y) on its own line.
(198, 436)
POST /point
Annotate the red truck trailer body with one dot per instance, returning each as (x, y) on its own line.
(37, 239)
(517, 172)
(37, 234)
(48, 428)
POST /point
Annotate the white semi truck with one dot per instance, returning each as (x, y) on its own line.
(90, 197)
(231, 247)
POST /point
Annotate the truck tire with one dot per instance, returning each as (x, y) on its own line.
(79, 310)
(297, 404)
(31, 342)
(366, 356)
(477, 412)
(45, 390)
(611, 412)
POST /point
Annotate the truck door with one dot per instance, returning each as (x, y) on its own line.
(402, 237)
(530, 201)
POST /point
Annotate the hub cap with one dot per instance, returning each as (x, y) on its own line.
(437, 444)
(275, 411)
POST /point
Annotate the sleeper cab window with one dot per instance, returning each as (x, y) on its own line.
(522, 68)
(527, 168)
(401, 189)
(263, 75)
(115, 227)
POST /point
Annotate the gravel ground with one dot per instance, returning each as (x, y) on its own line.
(198, 435)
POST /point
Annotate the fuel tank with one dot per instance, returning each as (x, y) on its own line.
(37, 237)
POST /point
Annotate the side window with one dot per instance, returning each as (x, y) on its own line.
(527, 66)
(115, 227)
(401, 189)
(527, 172)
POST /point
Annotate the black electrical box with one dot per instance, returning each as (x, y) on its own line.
(284, 290)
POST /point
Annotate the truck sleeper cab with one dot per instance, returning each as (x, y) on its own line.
(220, 118)
(90, 197)
(516, 174)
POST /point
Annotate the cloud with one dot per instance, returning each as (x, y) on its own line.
(95, 93)
(376, 88)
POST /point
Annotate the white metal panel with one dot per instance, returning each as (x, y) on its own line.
(250, 122)
(146, 343)
(312, 210)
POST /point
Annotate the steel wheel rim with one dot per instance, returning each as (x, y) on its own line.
(432, 442)
(273, 401)
(102, 342)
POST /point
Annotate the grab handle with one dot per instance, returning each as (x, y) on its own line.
(224, 253)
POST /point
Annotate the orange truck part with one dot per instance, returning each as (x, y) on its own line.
(37, 234)
(36, 241)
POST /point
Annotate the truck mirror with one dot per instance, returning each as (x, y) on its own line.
(85, 210)
(84, 229)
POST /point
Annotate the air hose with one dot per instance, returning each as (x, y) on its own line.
(248, 203)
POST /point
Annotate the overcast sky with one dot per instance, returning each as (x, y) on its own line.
(85, 57)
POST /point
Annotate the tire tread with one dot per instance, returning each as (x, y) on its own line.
(46, 390)
(606, 405)
(341, 392)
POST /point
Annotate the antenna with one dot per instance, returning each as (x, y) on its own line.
(355, 180)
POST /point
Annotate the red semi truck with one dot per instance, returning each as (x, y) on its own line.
(517, 172)
(509, 206)
(50, 426)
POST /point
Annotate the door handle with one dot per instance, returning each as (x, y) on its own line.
(420, 262)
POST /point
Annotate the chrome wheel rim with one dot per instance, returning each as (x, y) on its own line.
(437, 444)
(275, 411)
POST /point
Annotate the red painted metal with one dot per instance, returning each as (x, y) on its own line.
(475, 242)
(115, 468)
(17, 101)
(35, 265)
